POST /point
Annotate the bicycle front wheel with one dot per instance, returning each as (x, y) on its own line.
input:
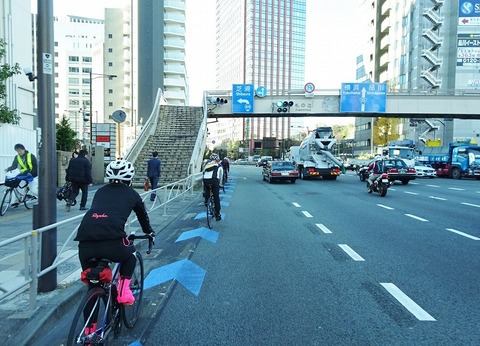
(7, 198)
(91, 319)
(130, 312)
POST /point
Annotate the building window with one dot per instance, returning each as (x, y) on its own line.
(110, 104)
(110, 64)
(87, 59)
(85, 81)
(110, 50)
(73, 58)
(74, 92)
(73, 69)
(74, 102)
(110, 91)
(86, 69)
(110, 36)
(73, 81)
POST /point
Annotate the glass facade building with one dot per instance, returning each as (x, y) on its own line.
(261, 42)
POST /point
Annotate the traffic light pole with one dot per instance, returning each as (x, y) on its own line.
(45, 213)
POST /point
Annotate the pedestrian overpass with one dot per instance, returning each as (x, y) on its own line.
(459, 104)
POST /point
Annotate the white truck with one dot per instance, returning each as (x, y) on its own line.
(314, 158)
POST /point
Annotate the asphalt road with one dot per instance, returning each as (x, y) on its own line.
(325, 263)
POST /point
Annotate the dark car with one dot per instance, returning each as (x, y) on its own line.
(397, 169)
(279, 170)
(262, 162)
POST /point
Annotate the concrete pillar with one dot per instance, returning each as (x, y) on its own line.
(98, 166)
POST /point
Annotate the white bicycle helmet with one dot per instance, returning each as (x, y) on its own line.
(214, 157)
(120, 170)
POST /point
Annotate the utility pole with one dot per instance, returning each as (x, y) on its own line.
(45, 213)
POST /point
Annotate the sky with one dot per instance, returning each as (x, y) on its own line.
(332, 42)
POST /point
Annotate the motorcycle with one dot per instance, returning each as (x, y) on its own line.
(380, 185)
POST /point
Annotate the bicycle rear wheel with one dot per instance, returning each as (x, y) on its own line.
(7, 198)
(92, 313)
(29, 200)
(130, 312)
(210, 212)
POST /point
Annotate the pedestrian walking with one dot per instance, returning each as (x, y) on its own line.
(153, 173)
(79, 174)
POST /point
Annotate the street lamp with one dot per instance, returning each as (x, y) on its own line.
(98, 75)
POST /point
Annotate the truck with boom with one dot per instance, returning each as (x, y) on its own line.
(314, 158)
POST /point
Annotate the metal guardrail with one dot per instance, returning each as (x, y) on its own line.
(32, 239)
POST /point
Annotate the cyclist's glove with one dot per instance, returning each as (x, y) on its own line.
(152, 236)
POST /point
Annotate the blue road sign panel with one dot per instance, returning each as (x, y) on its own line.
(261, 91)
(363, 97)
(242, 98)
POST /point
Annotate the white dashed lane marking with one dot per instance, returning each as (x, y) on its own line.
(416, 217)
(355, 256)
(462, 234)
(411, 193)
(386, 207)
(456, 189)
(306, 213)
(296, 204)
(471, 205)
(407, 302)
(437, 198)
(323, 228)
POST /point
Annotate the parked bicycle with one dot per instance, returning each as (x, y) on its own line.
(18, 188)
(98, 319)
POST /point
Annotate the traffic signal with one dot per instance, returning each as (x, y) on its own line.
(217, 100)
(283, 106)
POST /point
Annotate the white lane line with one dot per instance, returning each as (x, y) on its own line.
(384, 206)
(355, 256)
(438, 198)
(323, 228)
(471, 205)
(411, 193)
(431, 185)
(407, 302)
(296, 204)
(456, 189)
(306, 213)
(416, 217)
(462, 234)
(413, 183)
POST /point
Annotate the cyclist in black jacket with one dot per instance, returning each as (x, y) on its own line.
(101, 233)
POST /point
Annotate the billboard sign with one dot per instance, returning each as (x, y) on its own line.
(468, 12)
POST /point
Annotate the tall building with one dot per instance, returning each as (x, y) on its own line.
(161, 53)
(419, 46)
(75, 40)
(260, 42)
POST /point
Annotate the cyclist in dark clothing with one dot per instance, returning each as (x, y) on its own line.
(101, 233)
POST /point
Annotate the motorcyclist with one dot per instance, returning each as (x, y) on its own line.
(375, 169)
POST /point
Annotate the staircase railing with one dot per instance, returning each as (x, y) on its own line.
(197, 155)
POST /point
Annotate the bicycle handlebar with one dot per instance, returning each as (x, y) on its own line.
(151, 240)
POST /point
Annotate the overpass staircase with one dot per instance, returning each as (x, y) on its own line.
(174, 140)
(178, 134)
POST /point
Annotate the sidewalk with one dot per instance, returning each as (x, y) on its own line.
(20, 323)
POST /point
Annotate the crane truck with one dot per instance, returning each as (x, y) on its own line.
(314, 158)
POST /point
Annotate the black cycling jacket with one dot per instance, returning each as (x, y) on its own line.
(109, 212)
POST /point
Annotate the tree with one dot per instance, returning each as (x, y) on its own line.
(66, 136)
(232, 149)
(7, 116)
(385, 130)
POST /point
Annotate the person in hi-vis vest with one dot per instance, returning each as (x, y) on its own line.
(27, 163)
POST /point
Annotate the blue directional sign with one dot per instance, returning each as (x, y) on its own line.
(261, 91)
(242, 98)
(363, 97)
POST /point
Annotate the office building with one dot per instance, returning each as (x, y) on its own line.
(260, 42)
(416, 46)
